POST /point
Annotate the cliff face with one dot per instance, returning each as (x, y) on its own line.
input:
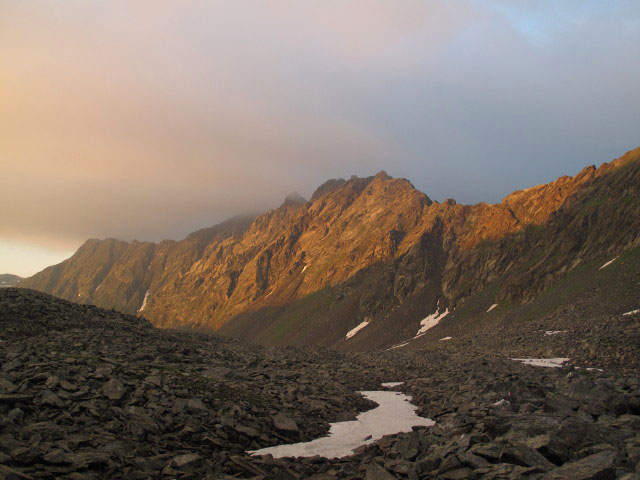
(375, 242)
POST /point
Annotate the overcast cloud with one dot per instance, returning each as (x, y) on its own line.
(150, 119)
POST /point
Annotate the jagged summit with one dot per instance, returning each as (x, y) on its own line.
(374, 243)
(294, 198)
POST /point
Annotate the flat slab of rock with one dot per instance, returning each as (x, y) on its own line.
(114, 389)
(599, 466)
(184, 460)
(376, 472)
(14, 398)
(284, 423)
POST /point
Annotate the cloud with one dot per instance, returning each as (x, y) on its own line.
(149, 119)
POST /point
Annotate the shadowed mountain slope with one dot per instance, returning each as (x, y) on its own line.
(9, 280)
(366, 249)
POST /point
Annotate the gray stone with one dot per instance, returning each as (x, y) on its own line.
(284, 423)
(182, 461)
(51, 399)
(114, 389)
(6, 386)
(196, 405)
(376, 472)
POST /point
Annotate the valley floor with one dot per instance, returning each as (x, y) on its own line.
(87, 393)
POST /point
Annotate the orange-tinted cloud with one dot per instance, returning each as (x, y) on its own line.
(150, 119)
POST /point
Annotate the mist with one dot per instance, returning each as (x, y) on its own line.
(149, 120)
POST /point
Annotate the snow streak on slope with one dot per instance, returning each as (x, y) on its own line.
(543, 362)
(391, 384)
(353, 331)
(398, 345)
(144, 301)
(431, 321)
(608, 263)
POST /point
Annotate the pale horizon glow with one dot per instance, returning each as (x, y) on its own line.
(26, 260)
(151, 119)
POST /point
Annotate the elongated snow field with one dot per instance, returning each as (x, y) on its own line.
(391, 384)
(608, 263)
(394, 414)
(543, 362)
(431, 321)
(144, 301)
(355, 330)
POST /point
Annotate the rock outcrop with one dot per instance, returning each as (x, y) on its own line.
(377, 242)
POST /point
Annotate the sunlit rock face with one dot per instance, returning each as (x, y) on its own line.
(357, 251)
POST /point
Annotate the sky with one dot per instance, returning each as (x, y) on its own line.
(150, 119)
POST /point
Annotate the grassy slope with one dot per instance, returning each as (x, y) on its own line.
(585, 291)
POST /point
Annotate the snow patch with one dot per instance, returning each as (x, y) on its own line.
(632, 312)
(398, 345)
(144, 301)
(608, 263)
(492, 307)
(543, 362)
(554, 332)
(391, 384)
(394, 414)
(431, 321)
(502, 402)
(97, 288)
(445, 338)
(305, 267)
(353, 331)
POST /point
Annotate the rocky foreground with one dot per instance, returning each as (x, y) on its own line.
(88, 393)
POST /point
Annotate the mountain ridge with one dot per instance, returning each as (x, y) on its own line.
(348, 228)
(9, 279)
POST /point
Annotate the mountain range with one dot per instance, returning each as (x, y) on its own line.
(373, 263)
(9, 280)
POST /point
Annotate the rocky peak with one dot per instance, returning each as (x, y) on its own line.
(382, 175)
(348, 227)
(294, 199)
(327, 187)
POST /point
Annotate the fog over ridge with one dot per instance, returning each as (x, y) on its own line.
(149, 120)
